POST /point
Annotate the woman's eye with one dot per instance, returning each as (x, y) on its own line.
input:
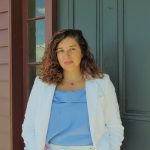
(60, 51)
(73, 49)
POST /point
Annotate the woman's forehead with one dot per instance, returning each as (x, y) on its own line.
(69, 42)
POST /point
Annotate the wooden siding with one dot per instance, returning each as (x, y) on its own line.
(5, 94)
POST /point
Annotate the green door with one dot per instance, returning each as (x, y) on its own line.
(118, 32)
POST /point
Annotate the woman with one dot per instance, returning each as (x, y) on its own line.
(72, 104)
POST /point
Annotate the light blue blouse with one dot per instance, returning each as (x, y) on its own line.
(69, 123)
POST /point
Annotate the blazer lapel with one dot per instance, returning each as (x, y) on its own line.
(91, 95)
(95, 95)
(42, 119)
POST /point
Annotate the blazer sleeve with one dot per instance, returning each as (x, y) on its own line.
(28, 133)
(112, 116)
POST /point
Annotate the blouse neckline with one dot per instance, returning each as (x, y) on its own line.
(81, 89)
(70, 95)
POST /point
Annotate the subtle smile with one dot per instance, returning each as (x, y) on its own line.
(68, 62)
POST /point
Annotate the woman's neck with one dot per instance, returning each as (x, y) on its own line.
(72, 75)
(72, 81)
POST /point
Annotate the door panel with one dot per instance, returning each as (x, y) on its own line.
(136, 50)
(137, 134)
(118, 33)
(63, 12)
(86, 19)
(137, 54)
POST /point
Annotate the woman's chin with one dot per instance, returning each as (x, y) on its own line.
(69, 69)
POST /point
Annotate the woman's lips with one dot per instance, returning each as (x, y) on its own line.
(68, 62)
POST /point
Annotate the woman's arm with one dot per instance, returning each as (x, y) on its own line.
(112, 116)
(28, 133)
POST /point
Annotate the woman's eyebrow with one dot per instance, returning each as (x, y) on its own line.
(59, 48)
(73, 45)
(69, 46)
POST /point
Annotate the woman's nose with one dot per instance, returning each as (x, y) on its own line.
(67, 53)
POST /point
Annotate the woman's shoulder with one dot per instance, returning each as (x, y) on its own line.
(103, 82)
(39, 81)
(105, 77)
(106, 82)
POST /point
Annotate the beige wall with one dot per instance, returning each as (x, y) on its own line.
(5, 95)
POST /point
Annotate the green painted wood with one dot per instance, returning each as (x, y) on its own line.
(134, 72)
(118, 34)
(62, 14)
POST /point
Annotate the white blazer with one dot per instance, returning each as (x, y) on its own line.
(106, 126)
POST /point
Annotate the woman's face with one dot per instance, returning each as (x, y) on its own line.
(69, 54)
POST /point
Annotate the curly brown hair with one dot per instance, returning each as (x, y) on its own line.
(50, 70)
